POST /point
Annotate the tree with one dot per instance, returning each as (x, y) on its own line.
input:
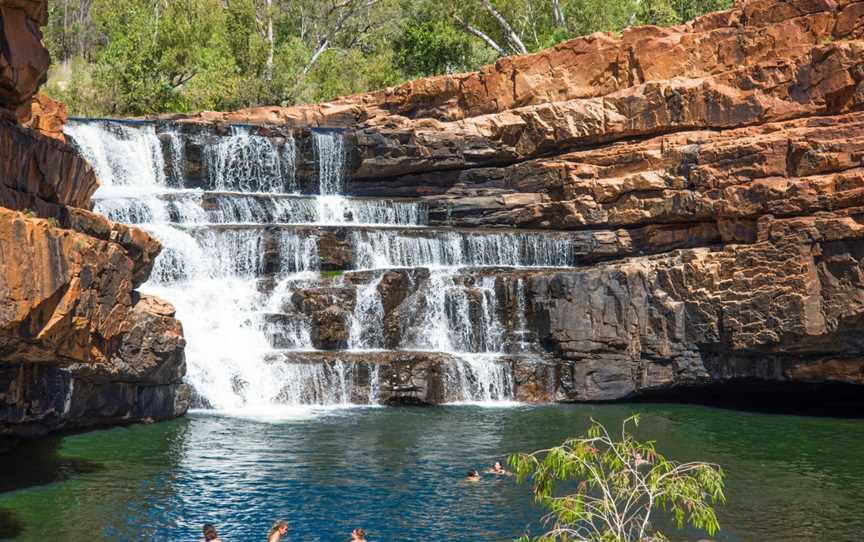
(132, 57)
(657, 12)
(431, 47)
(620, 483)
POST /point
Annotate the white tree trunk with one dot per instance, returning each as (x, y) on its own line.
(318, 50)
(559, 15)
(270, 43)
(515, 41)
(483, 36)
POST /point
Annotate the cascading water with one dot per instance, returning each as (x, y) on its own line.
(237, 256)
(123, 155)
(330, 155)
(387, 249)
(251, 163)
(368, 315)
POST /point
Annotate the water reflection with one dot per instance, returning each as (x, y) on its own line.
(398, 472)
(11, 525)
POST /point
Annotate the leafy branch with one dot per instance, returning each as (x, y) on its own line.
(620, 484)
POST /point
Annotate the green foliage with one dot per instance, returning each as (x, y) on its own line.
(690, 9)
(620, 483)
(163, 56)
(431, 47)
(657, 12)
(331, 274)
(137, 57)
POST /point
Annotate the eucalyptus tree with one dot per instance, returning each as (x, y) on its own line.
(121, 57)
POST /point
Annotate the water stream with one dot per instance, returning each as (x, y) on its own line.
(239, 257)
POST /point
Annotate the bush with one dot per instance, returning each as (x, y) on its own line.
(620, 484)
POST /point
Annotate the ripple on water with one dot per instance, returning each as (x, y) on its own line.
(398, 472)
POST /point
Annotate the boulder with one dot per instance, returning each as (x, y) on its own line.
(45, 116)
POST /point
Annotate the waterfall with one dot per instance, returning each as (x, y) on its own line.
(145, 209)
(251, 163)
(456, 318)
(177, 157)
(193, 207)
(330, 155)
(482, 379)
(233, 264)
(337, 210)
(521, 331)
(367, 317)
(121, 154)
(322, 384)
(386, 249)
(297, 253)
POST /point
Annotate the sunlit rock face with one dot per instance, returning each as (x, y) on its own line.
(710, 178)
(79, 346)
(24, 60)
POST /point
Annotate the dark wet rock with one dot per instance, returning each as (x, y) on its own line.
(329, 312)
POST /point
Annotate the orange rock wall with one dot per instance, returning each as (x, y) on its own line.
(79, 346)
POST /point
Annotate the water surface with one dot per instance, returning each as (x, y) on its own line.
(398, 473)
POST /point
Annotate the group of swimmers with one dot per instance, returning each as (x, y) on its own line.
(280, 527)
(277, 531)
(497, 469)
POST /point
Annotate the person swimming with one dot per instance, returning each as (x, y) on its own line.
(473, 476)
(498, 469)
(210, 534)
(358, 535)
(277, 531)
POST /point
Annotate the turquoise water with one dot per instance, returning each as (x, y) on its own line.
(398, 473)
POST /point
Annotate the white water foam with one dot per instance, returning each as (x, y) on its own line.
(233, 321)
(330, 155)
(121, 154)
(251, 163)
(383, 249)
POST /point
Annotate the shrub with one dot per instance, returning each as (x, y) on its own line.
(620, 483)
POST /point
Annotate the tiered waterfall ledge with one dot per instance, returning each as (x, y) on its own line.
(666, 209)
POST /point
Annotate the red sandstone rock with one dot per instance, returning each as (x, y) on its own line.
(45, 116)
(731, 148)
(45, 168)
(78, 346)
(24, 60)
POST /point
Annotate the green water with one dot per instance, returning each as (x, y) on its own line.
(397, 472)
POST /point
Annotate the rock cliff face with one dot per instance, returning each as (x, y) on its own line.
(712, 173)
(79, 346)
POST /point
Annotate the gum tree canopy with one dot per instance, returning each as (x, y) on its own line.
(122, 57)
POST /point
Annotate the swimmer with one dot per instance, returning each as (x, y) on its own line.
(358, 535)
(210, 533)
(473, 476)
(277, 531)
(499, 470)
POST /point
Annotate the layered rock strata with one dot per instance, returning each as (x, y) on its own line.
(712, 173)
(79, 347)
